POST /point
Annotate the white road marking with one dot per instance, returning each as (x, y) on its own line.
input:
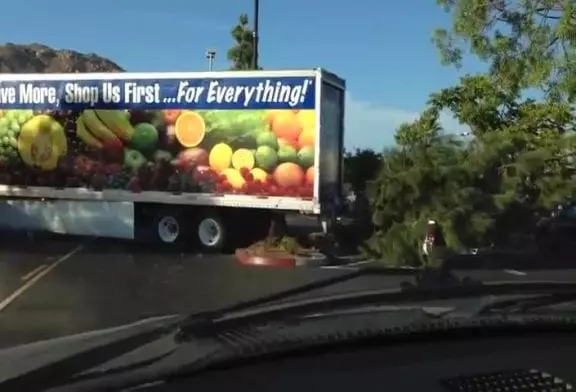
(39, 275)
(33, 272)
(515, 272)
(338, 267)
(359, 263)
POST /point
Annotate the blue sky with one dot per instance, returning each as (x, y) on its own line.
(382, 49)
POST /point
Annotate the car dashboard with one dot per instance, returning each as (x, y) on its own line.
(539, 362)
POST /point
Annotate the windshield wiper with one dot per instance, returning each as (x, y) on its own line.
(424, 279)
(524, 303)
(210, 326)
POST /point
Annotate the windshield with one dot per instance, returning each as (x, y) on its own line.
(227, 154)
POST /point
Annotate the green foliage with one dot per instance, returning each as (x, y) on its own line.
(491, 190)
(360, 167)
(241, 55)
(527, 43)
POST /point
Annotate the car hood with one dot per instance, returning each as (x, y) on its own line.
(19, 360)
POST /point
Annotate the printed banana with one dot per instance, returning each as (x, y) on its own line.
(97, 127)
(85, 135)
(118, 122)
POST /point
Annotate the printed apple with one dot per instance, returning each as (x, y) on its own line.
(133, 159)
(190, 158)
(113, 149)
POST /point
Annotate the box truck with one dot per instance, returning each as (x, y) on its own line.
(169, 157)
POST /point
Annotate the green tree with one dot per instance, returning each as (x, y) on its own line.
(489, 191)
(360, 167)
(241, 55)
(527, 43)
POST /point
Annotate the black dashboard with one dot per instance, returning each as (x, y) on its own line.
(539, 362)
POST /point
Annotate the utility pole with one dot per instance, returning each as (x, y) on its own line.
(256, 34)
(211, 56)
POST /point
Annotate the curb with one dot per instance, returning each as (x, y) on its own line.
(280, 260)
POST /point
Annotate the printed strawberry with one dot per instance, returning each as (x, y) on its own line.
(249, 177)
(134, 185)
(97, 181)
(5, 178)
(72, 182)
(112, 168)
(244, 171)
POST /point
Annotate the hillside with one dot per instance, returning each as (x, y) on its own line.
(37, 58)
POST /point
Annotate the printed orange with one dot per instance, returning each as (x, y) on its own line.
(310, 175)
(286, 125)
(190, 129)
(307, 138)
(289, 174)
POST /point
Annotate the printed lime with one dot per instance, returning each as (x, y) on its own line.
(287, 153)
(306, 157)
(243, 158)
(266, 158)
(234, 178)
(267, 138)
(220, 157)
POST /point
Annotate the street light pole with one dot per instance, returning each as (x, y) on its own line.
(256, 34)
(210, 56)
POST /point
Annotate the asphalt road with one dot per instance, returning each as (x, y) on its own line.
(51, 287)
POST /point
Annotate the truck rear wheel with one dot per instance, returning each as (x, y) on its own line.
(168, 229)
(211, 232)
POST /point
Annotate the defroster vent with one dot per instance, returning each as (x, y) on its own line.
(525, 380)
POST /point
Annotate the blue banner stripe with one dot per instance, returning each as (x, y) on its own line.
(150, 94)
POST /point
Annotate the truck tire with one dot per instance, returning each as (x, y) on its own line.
(211, 233)
(169, 228)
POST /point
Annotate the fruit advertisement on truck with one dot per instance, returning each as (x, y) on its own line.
(177, 133)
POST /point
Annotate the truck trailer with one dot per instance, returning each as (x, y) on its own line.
(168, 157)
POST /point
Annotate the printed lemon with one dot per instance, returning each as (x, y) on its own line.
(259, 174)
(270, 114)
(190, 129)
(220, 157)
(243, 158)
(307, 118)
(234, 178)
